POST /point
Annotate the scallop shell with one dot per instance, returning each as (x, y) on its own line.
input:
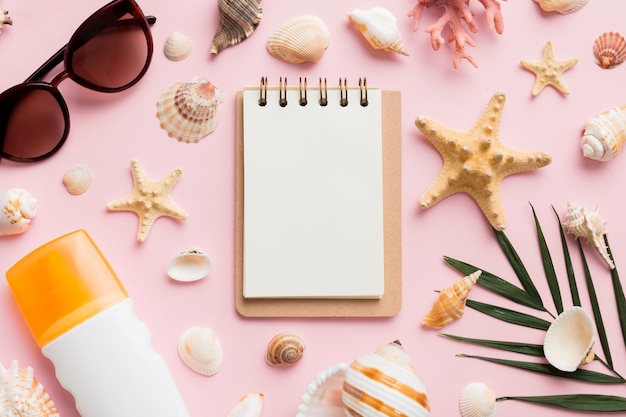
(78, 179)
(300, 39)
(189, 111)
(609, 49)
(285, 349)
(250, 405)
(177, 47)
(21, 395)
(4, 18)
(200, 350)
(561, 6)
(569, 340)
(18, 209)
(238, 19)
(588, 225)
(604, 134)
(378, 25)
(323, 397)
(477, 400)
(450, 304)
(189, 265)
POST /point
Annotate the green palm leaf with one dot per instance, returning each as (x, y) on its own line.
(548, 266)
(509, 316)
(568, 264)
(619, 293)
(516, 347)
(578, 402)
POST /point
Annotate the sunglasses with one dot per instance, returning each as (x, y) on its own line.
(109, 52)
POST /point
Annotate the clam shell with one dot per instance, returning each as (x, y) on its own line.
(285, 349)
(588, 225)
(177, 47)
(477, 400)
(604, 134)
(609, 49)
(322, 397)
(561, 6)
(569, 339)
(238, 20)
(78, 179)
(189, 265)
(300, 39)
(18, 208)
(188, 111)
(200, 350)
(22, 395)
(450, 304)
(250, 405)
(378, 25)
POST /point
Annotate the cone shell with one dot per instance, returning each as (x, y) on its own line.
(609, 49)
(17, 209)
(200, 350)
(238, 20)
(78, 179)
(604, 134)
(561, 6)
(477, 400)
(322, 397)
(569, 340)
(188, 111)
(378, 25)
(450, 304)
(22, 395)
(189, 265)
(300, 39)
(285, 349)
(177, 47)
(588, 225)
(250, 405)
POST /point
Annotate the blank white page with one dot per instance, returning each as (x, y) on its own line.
(313, 196)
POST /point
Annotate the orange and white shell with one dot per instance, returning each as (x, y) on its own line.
(78, 179)
(18, 207)
(285, 348)
(604, 134)
(300, 39)
(609, 49)
(21, 395)
(188, 111)
(238, 20)
(250, 405)
(477, 400)
(588, 225)
(200, 350)
(177, 46)
(561, 6)
(378, 25)
(569, 340)
(450, 304)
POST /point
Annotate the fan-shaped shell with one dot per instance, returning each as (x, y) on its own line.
(590, 226)
(177, 47)
(300, 39)
(378, 25)
(200, 350)
(21, 395)
(189, 265)
(604, 134)
(189, 111)
(285, 349)
(561, 6)
(238, 20)
(250, 405)
(609, 49)
(569, 340)
(322, 397)
(78, 179)
(450, 303)
(17, 209)
(477, 400)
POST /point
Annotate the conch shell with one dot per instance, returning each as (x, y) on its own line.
(200, 350)
(590, 226)
(300, 39)
(238, 19)
(450, 304)
(604, 134)
(285, 349)
(21, 395)
(18, 208)
(561, 6)
(569, 340)
(378, 25)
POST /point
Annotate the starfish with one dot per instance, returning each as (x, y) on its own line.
(149, 199)
(549, 71)
(475, 162)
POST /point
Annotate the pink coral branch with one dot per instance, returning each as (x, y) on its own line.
(494, 15)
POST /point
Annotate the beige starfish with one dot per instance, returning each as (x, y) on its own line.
(475, 162)
(549, 71)
(149, 200)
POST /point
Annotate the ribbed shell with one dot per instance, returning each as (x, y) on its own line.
(200, 350)
(300, 39)
(238, 19)
(609, 49)
(285, 349)
(177, 47)
(477, 400)
(569, 339)
(450, 304)
(588, 225)
(21, 395)
(322, 397)
(561, 6)
(78, 179)
(378, 25)
(17, 209)
(604, 134)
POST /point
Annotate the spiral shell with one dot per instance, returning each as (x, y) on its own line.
(477, 400)
(189, 265)
(78, 179)
(569, 340)
(21, 395)
(450, 304)
(604, 134)
(17, 209)
(285, 349)
(200, 350)
(378, 25)
(238, 20)
(300, 39)
(561, 6)
(177, 47)
(590, 226)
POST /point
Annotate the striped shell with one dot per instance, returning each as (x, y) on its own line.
(200, 350)
(238, 19)
(590, 226)
(569, 340)
(285, 349)
(378, 25)
(177, 47)
(477, 400)
(561, 6)
(21, 395)
(604, 134)
(450, 304)
(17, 209)
(78, 179)
(609, 49)
(300, 39)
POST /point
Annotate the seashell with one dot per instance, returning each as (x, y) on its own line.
(238, 19)
(322, 397)
(189, 111)
(4, 18)
(250, 405)
(609, 49)
(189, 265)
(177, 47)
(450, 304)
(78, 179)
(285, 349)
(200, 350)
(477, 400)
(561, 6)
(604, 134)
(18, 209)
(22, 395)
(378, 25)
(300, 39)
(569, 340)
(588, 225)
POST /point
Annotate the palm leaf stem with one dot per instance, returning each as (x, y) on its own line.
(578, 402)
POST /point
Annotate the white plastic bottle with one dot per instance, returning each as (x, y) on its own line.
(83, 320)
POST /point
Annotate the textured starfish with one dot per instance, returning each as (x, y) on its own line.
(149, 200)
(475, 162)
(549, 71)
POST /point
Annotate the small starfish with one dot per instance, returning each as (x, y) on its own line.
(149, 200)
(475, 162)
(549, 71)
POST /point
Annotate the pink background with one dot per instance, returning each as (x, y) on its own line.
(108, 131)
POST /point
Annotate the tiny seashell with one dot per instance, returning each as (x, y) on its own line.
(285, 349)
(238, 20)
(569, 340)
(250, 405)
(604, 134)
(322, 397)
(588, 225)
(189, 265)
(477, 400)
(300, 39)
(78, 179)
(200, 350)
(561, 6)
(18, 209)
(378, 25)
(450, 303)
(4, 18)
(609, 49)
(189, 111)
(22, 395)
(177, 47)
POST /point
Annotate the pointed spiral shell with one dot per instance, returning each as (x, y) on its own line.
(378, 26)
(604, 134)
(450, 304)
(22, 395)
(285, 349)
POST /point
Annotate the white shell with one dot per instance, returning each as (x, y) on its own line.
(477, 400)
(177, 47)
(590, 226)
(322, 397)
(378, 25)
(200, 350)
(300, 39)
(569, 339)
(605, 134)
(21, 395)
(250, 405)
(189, 265)
(285, 348)
(17, 207)
(561, 6)
(78, 179)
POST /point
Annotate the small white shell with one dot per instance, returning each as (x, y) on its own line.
(561, 6)
(285, 349)
(590, 226)
(322, 397)
(477, 400)
(22, 395)
(250, 405)
(78, 179)
(378, 25)
(609, 49)
(17, 208)
(604, 134)
(189, 265)
(177, 47)
(200, 350)
(569, 340)
(300, 39)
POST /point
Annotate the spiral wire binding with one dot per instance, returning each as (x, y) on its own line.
(282, 92)
(323, 90)
(263, 92)
(363, 92)
(303, 100)
(343, 93)
(323, 93)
